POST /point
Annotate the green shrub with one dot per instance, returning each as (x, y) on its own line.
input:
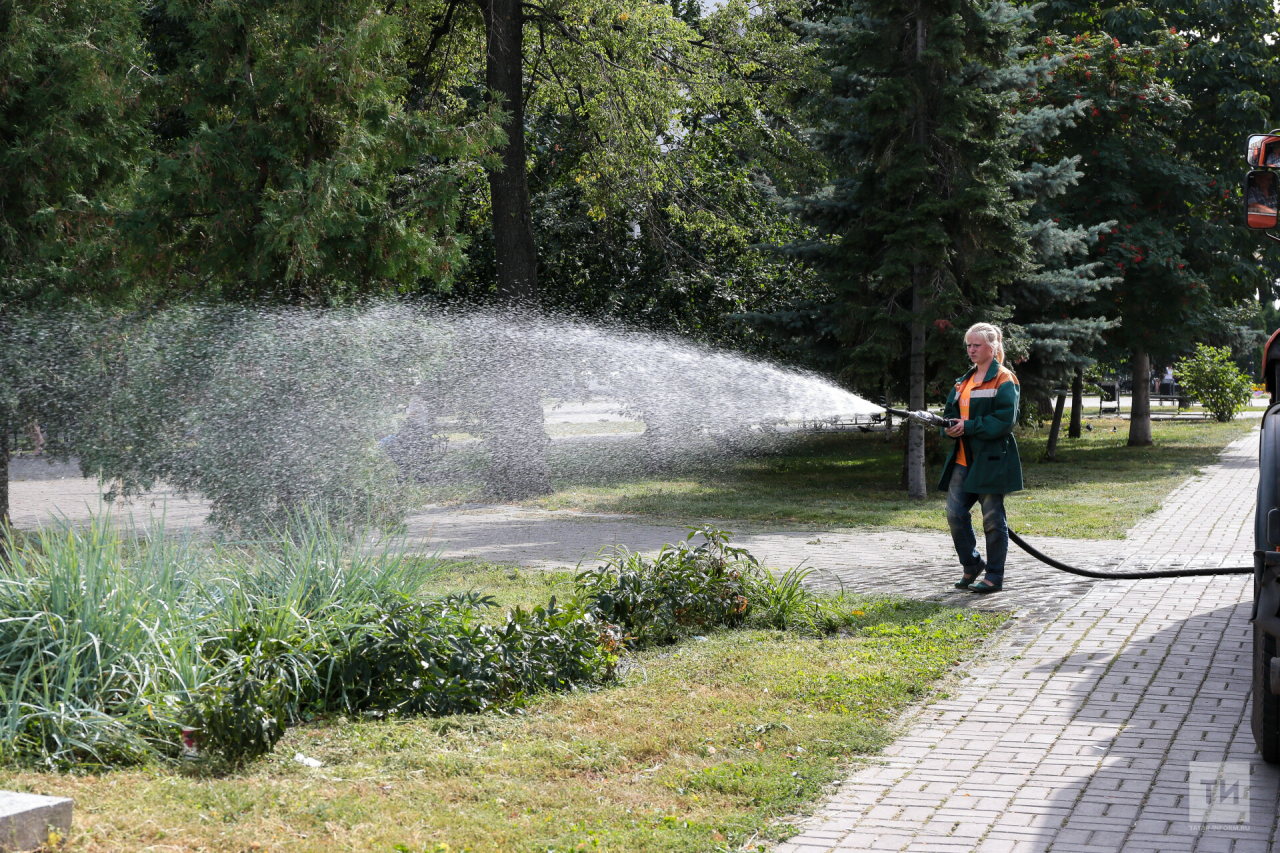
(1212, 377)
(684, 589)
(239, 714)
(431, 657)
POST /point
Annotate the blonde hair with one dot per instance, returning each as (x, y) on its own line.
(992, 335)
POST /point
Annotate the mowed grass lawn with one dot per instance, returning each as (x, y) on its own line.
(1097, 489)
(709, 745)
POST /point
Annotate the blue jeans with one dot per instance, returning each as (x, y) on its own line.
(994, 526)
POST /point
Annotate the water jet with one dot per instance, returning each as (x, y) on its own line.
(364, 410)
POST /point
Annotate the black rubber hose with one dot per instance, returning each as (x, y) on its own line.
(1063, 567)
(1123, 576)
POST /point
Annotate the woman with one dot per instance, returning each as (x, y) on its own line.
(983, 465)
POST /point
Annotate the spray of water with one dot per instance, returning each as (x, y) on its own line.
(263, 413)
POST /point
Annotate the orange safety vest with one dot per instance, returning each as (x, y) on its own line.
(1003, 375)
(961, 458)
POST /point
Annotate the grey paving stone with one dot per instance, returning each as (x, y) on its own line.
(1079, 731)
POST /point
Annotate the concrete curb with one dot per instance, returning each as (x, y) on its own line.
(28, 820)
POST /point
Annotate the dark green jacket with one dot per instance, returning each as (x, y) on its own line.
(994, 466)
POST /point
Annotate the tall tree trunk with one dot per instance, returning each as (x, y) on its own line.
(1077, 403)
(916, 468)
(1140, 412)
(916, 487)
(518, 439)
(1051, 451)
(888, 418)
(516, 254)
(657, 443)
(509, 399)
(517, 447)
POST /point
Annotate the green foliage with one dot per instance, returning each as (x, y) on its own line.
(754, 724)
(779, 601)
(1055, 324)
(287, 166)
(685, 258)
(238, 715)
(107, 649)
(1230, 73)
(94, 663)
(431, 657)
(682, 590)
(614, 86)
(924, 149)
(110, 650)
(72, 135)
(685, 590)
(658, 142)
(1226, 73)
(1211, 376)
(1135, 175)
(1168, 115)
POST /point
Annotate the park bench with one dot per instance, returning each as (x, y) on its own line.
(1110, 398)
(1182, 400)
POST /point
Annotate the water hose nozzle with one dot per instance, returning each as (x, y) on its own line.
(921, 417)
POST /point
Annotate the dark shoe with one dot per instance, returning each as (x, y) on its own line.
(966, 580)
(985, 587)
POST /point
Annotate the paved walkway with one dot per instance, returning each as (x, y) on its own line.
(1078, 732)
(914, 563)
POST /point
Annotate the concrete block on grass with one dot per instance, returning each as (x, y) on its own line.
(27, 819)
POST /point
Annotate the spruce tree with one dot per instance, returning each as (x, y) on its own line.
(926, 228)
(1056, 324)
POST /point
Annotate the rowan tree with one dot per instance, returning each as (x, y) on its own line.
(1177, 88)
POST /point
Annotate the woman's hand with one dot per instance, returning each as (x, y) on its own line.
(957, 430)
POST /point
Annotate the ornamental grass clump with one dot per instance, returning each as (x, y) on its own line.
(781, 601)
(97, 652)
(109, 648)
